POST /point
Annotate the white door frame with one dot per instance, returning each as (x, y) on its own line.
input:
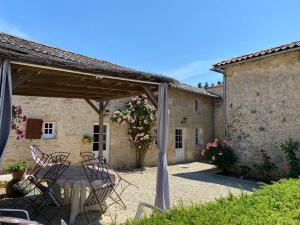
(105, 153)
(180, 152)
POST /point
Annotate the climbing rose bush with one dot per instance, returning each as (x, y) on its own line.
(221, 154)
(17, 119)
(140, 116)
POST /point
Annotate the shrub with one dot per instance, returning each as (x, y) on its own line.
(273, 204)
(266, 166)
(289, 148)
(18, 166)
(221, 154)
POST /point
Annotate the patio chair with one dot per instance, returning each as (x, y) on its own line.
(13, 219)
(57, 157)
(101, 186)
(45, 196)
(87, 156)
(41, 159)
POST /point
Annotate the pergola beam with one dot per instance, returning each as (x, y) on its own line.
(151, 96)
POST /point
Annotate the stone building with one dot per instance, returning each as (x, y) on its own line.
(262, 101)
(65, 121)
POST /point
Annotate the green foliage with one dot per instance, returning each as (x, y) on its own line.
(278, 203)
(289, 148)
(266, 166)
(87, 137)
(140, 116)
(18, 166)
(221, 154)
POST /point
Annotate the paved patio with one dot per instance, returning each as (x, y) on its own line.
(189, 183)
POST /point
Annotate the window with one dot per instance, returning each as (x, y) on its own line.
(197, 139)
(96, 138)
(196, 106)
(49, 130)
(178, 138)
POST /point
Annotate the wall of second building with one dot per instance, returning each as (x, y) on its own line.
(218, 111)
(74, 117)
(262, 106)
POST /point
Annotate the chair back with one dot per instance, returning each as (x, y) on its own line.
(96, 170)
(57, 157)
(99, 195)
(87, 156)
(41, 159)
(55, 171)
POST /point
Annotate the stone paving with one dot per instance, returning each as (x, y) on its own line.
(189, 183)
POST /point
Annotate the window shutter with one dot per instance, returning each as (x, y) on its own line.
(34, 129)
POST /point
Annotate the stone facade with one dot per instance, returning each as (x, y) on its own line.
(218, 111)
(74, 117)
(262, 106)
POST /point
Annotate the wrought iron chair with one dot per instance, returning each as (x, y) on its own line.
(45, 196)
(41, 159)
(87, 156)
(101, 186)
(57, 157)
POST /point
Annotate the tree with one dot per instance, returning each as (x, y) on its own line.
(206, 85)
(219, 82)
(199, 85)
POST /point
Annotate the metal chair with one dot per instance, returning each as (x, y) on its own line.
(141, 207)
(101, 186)
(46, 196)
(87, 156)
(57, 157)
(41, 159)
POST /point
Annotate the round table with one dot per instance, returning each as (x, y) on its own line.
(75, 184)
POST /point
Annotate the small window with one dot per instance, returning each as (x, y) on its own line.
(197, 141)
(49, 130)
(196, 106)
(178, 138)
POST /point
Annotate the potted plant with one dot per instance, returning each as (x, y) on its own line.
(18, 170)
(87, 139)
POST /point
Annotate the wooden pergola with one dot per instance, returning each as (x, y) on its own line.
(45, 71)
(96, 89)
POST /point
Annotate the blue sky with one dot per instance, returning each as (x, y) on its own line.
(181, 39)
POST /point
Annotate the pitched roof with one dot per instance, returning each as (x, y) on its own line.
(270, 51)
(23, 50)
(194, 90)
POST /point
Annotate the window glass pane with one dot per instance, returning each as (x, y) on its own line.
(96, 138)
(96, 129)
(95, 147)
(104, 146)
(104, 137)
(104, 128)
(46, 125)
(46, 131)
(180, 145)
(50, 125)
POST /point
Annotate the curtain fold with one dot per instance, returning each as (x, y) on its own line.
(162, 199)
(5, 104)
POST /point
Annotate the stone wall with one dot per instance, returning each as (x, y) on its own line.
(262, 106)
(74, 117)
(218, 111)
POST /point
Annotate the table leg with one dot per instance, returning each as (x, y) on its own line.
(74, 204)
(56, 190)
(82, 197)
(66, 194)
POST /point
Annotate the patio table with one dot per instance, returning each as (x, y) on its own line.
(75, 185)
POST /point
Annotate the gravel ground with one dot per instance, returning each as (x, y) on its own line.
(189, 183)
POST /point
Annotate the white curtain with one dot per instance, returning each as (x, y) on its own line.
(162, 200)
(5, 103)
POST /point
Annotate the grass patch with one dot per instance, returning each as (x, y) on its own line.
(278, 203)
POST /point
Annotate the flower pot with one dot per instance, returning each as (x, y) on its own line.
(19, 175)
(85, 141)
